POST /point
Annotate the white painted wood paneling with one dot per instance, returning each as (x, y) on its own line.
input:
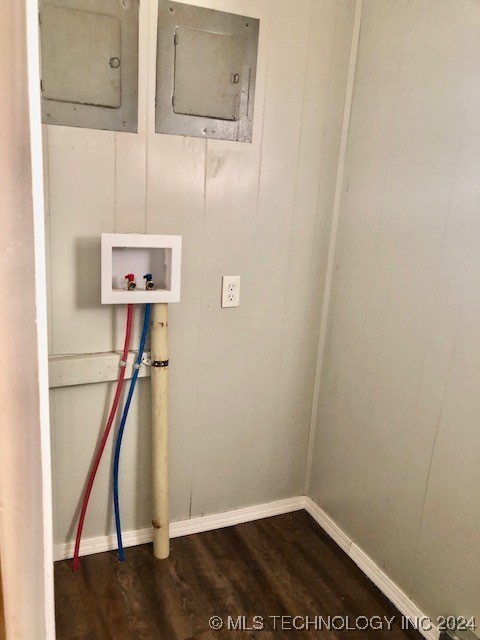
(264, 427)
(74, 441)
(82, 206)
(240, 385)
(232, 179)
(176, 205)
(396, 451)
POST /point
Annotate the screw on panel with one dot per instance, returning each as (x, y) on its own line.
(114, 63)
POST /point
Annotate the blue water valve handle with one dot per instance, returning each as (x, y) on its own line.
(149, 284)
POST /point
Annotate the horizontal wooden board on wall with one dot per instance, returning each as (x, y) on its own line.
(90, 368)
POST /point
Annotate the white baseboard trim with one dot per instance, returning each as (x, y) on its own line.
(182, 528)
(399, 598)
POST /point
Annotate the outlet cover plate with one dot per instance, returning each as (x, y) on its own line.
(230, 291)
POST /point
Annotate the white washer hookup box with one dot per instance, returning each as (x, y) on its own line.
(136, 254)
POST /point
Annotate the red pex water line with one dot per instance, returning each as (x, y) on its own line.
(108, 426)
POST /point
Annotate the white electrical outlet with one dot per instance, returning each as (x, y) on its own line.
(231, 291)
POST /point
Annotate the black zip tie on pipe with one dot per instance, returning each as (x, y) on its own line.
(159, 363)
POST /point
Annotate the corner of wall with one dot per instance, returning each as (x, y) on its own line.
(335, 216)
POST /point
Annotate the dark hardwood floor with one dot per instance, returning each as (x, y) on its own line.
(282, 566)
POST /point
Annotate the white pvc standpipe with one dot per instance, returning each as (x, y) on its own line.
(159, 382)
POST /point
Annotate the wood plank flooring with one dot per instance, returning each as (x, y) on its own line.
(282, 566)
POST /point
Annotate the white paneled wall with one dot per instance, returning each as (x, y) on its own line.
(241, 379)
(397, 449)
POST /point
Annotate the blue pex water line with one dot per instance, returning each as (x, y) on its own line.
(118, 443)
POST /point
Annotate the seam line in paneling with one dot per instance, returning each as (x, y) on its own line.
(383, 204)
(50, 316)
(260, 166)
(200, 314)
(293, 217)
(315, 229)
(54, 440)
(115, 178)
(255, 249)
(145, 221)
(149, 110)
(340, 180)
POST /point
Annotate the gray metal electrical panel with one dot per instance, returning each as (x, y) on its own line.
(89, 54)
(206, 69)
